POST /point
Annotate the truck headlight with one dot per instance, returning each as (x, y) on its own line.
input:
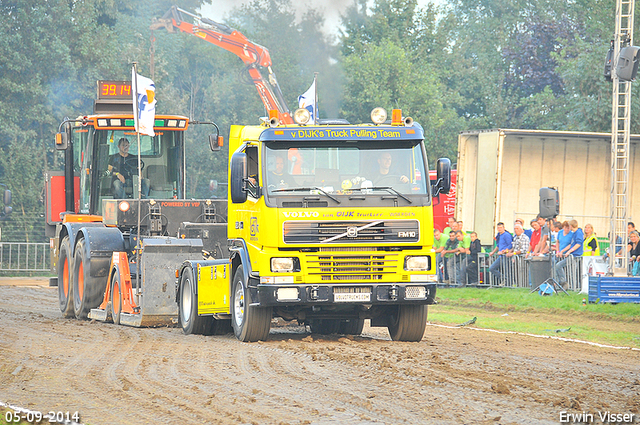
(302, 116)
(418, 263)
(378, 115)
(282, 265)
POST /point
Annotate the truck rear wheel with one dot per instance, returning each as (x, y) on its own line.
(351, 326)
(116, 297)
(249, 323)
(65, 294)
(87, 290)
(408, 323)
(189, 320)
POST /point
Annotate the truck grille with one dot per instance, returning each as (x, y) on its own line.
(300, 232)
(343, 267)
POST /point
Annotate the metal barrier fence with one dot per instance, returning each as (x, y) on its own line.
(511, 272)
(24, 257)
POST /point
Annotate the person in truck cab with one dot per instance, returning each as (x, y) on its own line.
(278, 178)
(383, 176)
(123, 167)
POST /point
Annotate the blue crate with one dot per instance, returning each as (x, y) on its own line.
(614, 289)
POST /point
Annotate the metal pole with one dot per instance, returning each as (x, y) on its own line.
(316, 113)
(620, 135)
(137, 128)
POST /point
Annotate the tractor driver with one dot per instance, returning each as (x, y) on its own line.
(123, 167)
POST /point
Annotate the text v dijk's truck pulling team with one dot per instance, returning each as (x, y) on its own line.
(326, 222)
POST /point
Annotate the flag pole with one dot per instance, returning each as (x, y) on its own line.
(136, 123)
(315, 98)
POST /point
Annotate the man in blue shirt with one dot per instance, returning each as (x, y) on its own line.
(573, 248)
(504, 242)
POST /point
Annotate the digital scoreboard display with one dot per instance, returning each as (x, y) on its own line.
(114, 90)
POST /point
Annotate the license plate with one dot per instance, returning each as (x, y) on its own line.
(357, 297)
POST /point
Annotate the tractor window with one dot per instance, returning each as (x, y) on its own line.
(117, 156)
(82, 166)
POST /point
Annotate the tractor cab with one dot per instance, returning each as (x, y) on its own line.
(107, 163)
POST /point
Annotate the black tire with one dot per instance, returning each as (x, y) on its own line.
(65, 286)
(188, 308)
(87, 291)
(351, 326)
(408, 323)
(325, 326)
(116, 297)
(249, 323)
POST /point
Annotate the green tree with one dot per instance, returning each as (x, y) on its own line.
(392, 57)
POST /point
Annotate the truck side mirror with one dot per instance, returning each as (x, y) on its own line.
(62, 141)
(216, 142)
(443, 168)
(237, 177)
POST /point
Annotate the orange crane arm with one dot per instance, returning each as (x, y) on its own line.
(253, 55)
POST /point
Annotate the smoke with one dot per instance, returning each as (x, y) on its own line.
(330, 9)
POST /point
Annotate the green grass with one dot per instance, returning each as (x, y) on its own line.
(518, 299)
(516, 310)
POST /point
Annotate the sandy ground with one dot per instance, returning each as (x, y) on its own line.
(118, 375)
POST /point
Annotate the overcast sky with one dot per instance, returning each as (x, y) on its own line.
(330, 8)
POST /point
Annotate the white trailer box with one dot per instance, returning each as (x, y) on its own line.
(500, 173)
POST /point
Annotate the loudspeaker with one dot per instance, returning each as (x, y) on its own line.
(549, 202)
(607, 64)
(628, 63)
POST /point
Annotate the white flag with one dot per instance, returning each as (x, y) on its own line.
(308, 101)
(144, 96)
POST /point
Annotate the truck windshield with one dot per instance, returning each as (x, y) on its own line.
(345, 168)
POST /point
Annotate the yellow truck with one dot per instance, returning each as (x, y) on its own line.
(328, 224)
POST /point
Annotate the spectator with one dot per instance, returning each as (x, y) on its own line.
(556, 229)
(630, 227)
(520, 245)
(471, 272)
(543, 246)
(590, 246)
(564, 239)
(464, 242)
(439, 240)
(450, 226)
(459, 226)
(504, 242)
(526, 231)
(450, 250)
(634, 252)
(568, 246)
(535, 236)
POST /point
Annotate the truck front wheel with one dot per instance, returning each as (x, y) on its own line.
(408, 323)
(65, 294)
(249, 323)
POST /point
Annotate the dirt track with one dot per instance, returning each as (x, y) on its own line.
(118, 375)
